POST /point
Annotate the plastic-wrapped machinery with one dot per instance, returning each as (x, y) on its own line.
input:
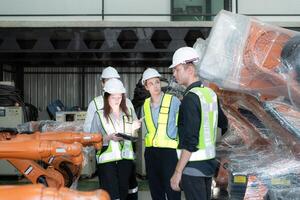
(249, 56)
(245, 58)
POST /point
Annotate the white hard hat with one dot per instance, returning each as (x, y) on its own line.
(110, 72)
(184, 55)
(149, 73)
(114, 86)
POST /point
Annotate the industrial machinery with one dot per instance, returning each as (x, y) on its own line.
(255, 68)
(10, 117)
(89, 167)
(40, 192)
(70, 116)
(61, 153)
(53, 159)
(23, 159)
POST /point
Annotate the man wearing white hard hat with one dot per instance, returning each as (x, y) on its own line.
(198, 119)
(97, 104)
(160, 113)
(115, 159)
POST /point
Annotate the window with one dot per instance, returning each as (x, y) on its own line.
(197, 10)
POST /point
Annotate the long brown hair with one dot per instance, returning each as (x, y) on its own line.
(107, 108)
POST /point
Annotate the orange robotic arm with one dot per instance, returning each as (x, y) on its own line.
(252, 57)
(86, 139)
(37, 150)
(39, 192)
(15, 151)
(65, 158)
(37, 174)
(69, 167)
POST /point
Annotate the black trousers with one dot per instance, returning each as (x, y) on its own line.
(196, 188)
(133, 185)
(160, 166)
(114, 178)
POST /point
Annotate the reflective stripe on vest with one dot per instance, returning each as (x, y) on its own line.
(112, 153)
(158, 136)
(208, 128)
(115, 150)
(127, 150)
(98, 101)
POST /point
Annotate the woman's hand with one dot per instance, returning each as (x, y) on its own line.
(136, 124)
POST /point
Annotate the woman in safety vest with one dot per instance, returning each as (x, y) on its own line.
(115, 160)
(160, 111)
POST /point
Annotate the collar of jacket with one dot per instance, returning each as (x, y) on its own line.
(195, 84)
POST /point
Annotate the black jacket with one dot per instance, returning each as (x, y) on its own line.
(189, 121)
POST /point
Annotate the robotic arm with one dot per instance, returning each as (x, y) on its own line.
(86, 139)
(34, 172)
(60, 151)
(40, 192)
(22, 156)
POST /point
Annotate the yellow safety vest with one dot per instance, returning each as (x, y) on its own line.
(116, 150)
(209, 121)
(158, 136)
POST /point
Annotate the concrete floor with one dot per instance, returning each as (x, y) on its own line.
(91, 184)
(86, 184)
(144, 193)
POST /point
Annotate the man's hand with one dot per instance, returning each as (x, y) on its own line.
(183, 160)
(175, 180)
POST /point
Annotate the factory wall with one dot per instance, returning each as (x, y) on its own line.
(71, 85)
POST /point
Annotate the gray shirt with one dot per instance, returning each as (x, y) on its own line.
(97, 127)
(174, 107)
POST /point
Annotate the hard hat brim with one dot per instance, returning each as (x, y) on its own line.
(172, 66)
(106, 77)
(194, 61)
(123, 91)
(144, 80)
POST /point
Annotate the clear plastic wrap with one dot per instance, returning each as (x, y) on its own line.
(246, 55)
(286, 115)
(284, 193)
(76, 126)
(274, 166)
(200, 46)
(260, 146)
(49, 125)
(241, 131)
(279, 186)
